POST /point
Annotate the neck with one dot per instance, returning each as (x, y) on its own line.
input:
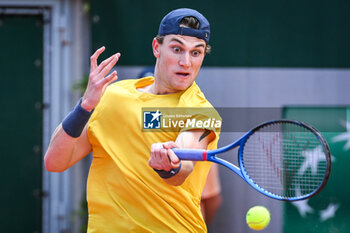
(157, 89)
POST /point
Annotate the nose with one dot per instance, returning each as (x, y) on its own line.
(185, 60)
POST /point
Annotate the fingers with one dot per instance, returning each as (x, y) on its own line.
(174, 160)
(98, 83)
(110, 78)
(159, 158)
(94, 57)
(162, 157)
(98, 75)
(107, 64)
(169, 145)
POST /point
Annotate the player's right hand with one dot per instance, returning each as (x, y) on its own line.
(162, 157)
(98, 82)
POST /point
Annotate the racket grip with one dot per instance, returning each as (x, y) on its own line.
(191, 154)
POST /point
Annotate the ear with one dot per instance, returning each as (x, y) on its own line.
(155, 47)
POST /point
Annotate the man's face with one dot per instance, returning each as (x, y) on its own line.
(179, 59)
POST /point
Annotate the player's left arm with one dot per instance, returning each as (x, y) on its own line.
(163, 158)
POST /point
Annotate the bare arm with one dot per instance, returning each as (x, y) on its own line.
(211, 196)
(64, 150)
(163, 158)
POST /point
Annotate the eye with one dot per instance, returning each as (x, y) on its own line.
(176, 49)
(196, 53)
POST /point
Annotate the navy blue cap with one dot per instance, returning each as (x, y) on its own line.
(171, 24)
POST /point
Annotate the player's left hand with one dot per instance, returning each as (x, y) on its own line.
(99, 79)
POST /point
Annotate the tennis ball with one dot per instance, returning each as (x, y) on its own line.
(258, 217)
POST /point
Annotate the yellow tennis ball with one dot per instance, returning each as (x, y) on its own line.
(258, 217)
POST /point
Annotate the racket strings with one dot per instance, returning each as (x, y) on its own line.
(286, 160)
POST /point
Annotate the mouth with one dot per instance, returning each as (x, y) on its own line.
(183, 74)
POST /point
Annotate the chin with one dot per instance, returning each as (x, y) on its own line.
(182, 87)
(182, 84)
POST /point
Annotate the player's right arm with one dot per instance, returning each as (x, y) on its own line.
(66, 149)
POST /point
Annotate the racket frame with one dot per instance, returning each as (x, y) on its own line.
(210, 155)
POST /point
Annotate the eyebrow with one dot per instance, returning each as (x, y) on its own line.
(180, 42)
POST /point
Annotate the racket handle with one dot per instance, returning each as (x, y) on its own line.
(191, 154)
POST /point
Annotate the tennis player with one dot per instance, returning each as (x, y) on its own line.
(136, 183)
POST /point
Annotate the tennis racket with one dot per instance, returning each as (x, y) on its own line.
(283, 159)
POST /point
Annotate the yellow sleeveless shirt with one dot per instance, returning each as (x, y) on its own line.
(124, 193)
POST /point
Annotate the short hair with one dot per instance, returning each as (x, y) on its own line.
(190, 22)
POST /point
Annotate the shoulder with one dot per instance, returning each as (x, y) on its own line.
(121, 88)
(131, 84)
(117, 96)
(194, 97)
(126, 84)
